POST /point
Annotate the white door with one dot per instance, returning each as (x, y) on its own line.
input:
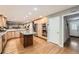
(54, 30)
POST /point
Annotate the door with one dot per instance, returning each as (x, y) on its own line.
(54, 30)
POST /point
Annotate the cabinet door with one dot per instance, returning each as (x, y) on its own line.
(6, 37)
(17, 34)
(1, 22)
(22, 38)
(12, 34)
(9, 35)
(5, 25)
(28, 40)
(0, 44)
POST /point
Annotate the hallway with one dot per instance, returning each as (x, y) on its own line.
(73, 44)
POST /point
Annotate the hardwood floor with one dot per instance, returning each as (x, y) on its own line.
(40, 46)
(73, 43)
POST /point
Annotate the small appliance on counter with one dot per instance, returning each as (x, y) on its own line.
(2, 29)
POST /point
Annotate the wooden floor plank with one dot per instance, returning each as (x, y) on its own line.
(40, 46)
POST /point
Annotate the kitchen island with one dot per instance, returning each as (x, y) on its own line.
(26, 37)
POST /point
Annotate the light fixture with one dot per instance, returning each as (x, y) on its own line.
(35, 9)
(40, 16)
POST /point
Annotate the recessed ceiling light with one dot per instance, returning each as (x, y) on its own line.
(30, 13)
(40, 16)
(35, 9)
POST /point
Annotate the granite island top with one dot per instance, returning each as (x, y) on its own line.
(27, 33)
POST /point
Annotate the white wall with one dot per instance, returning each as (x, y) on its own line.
(66, 30)
(62, 13)
(31, 27)
(73, 21)
(74, 28)
(55, 30)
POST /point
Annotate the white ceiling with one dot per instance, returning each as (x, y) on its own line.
(20, 12)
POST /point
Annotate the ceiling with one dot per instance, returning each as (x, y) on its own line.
(24, 13)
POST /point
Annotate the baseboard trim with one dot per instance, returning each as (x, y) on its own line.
(41, 37)
(75, 36)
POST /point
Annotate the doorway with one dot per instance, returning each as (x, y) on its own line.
(72, 24)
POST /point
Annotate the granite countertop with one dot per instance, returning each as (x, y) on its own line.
(2, 33)
(23, 31)
(27, 33)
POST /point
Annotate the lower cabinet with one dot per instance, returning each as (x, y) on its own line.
(3, 41)
(0, 44)
(9, 35)
(21, 38)
(17, 34)
(12, 35)
(28, 40)
(6, 36)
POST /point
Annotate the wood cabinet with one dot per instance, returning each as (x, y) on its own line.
(6, 37)
(0, 21)
(41, 27)
(3, 21)
(17, 34)
(4, 41)
(28, 40)
(44, 30)
(13, 34)
(9, 35)
(0, 44)
(21, 38)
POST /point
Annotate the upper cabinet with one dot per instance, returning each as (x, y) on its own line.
(3, 21)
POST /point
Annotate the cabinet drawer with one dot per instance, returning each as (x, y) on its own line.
(9, 35)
